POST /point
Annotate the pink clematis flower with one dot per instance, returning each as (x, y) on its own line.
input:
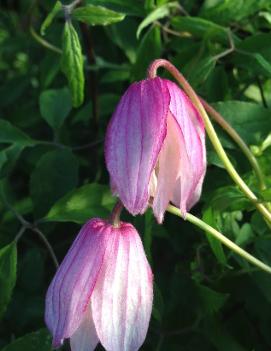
(155, 148)
(102, 291)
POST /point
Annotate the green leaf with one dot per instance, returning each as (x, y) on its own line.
(229, 198)
(55, 105)
(51, 15)
(129, 7)
(156, 14)
(8, 267)
(233, 10)
(211, 301)
(123, 35)
(97, 15)
(263, 64)
(78, 206)
(149, 49)
(72, 63)
(200, 70)
(37, 341)
(210, 218)
(200, 28)
(250, 120)
(56, 174)
(220, 337)
(11, 134)
(8, 158)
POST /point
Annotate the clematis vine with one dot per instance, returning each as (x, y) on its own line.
(155, 148)
(102, 291)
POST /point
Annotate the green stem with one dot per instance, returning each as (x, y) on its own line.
(239, 141)
(44, 42)
(219, 236)
(211, 133)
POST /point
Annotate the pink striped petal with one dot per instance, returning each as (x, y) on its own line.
(193, 155)
(85, 338)
(69, 293)
(168, 168)
(122, 298)
(134, 139)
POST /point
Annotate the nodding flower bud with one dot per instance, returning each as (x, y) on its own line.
(102, 291)
(155, 148)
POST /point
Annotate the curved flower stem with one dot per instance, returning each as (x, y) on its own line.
(239, 141)
(115, 214)
(223, 239)
(211, 133)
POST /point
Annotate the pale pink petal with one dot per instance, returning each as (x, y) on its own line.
(168, 168)
(133, 140)
(69, 292)
(122, 298)
(193, 156)
(85, 337)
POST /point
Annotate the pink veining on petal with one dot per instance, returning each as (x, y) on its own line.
(193, 155)
(168, 167)
(122, 299)
(69, 293)
(133, 141)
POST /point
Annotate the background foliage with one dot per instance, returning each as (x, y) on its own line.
(60, 82)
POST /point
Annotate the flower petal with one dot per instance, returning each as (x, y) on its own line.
(69, 292)
(168, 166)
(133, 140)
(85, 337)
(193, 165)
(122, 298)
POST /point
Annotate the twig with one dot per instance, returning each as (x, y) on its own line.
(20, 233)
(87, 146)
(47, 244)
(228, 51)
(32, 227)
(259, 83)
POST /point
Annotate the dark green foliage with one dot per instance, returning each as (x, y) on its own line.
(62, 75)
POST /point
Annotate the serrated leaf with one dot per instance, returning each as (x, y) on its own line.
(11, 134)
(97, 15)
(216, 246)
(51, 15)
(55, 175)
(72, 63)
(37, 341)
(78, 206)
(8, 268)
(156, 14)
(55, 105)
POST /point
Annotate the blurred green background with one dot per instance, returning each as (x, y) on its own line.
(59, 84)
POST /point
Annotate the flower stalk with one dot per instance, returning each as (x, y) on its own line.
(211, 133)
(238, 140)
(222, 238)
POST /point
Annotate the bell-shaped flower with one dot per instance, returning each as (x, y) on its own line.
(102, 291)
(155, 148)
